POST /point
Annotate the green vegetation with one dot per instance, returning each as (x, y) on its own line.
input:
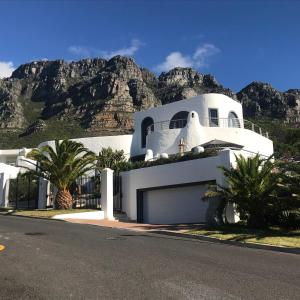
(109, 158)
(62, 165)
(265, 193)
(273, 236)
(286, 136)
(131, 165)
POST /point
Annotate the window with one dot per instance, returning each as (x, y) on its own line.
(213, 117)
(179, 120)
(147, 123)
(233, 120)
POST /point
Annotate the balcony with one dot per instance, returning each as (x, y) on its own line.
(212, 122)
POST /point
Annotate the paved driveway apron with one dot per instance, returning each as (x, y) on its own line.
(57, 260)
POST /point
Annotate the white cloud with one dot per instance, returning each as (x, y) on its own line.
(89, 51)
(6, 68)
(126, 51)
(173, 60)
(199, 59)
(203, 53)
(80, 51)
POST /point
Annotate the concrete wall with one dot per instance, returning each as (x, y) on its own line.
(195, 134)
(6, 172)
(95, 144)
(199, 104)
(193, 171)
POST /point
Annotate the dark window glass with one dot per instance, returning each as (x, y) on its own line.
(213, 117)
(179, 120)
(233, 120)
(147, 123)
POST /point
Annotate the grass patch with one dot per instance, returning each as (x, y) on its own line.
(274, 236)
(44, 213)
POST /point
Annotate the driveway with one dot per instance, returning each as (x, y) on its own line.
(47, 259)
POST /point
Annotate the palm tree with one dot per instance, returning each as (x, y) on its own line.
(62, 165)
(252, 187)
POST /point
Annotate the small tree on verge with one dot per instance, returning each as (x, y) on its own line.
(62, 165)
(109, 158)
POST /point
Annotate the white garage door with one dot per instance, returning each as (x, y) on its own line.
(175, 205)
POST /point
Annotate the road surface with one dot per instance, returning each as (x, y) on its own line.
(47, 259)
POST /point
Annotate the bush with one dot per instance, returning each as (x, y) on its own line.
(131, 165)
(289, 220)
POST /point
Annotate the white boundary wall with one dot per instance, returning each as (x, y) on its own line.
(192, 171)
(95, 144)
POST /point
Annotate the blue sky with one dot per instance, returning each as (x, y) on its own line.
(236, 41)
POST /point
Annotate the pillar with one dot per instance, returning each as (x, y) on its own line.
(107, 193)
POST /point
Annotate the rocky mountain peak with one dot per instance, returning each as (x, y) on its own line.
(262, 99)
(181, 77)
(101, 95)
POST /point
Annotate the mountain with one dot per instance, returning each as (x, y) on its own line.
(44, 100)
(262, 100)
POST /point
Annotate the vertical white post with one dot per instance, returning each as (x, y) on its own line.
(227, 159)
(6, 192)
(44, 188)
(107, 193)
(2, 185)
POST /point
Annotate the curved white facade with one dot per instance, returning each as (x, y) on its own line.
(210, 118)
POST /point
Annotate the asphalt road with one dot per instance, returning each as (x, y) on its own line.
(56, 260)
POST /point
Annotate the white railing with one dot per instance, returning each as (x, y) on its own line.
(208, 122)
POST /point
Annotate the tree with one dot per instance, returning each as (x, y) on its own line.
(288, 194)
(62, 165)
(251, 186)
(109, 158)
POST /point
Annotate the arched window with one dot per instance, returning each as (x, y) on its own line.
(179, 120)
(147, 123)
(233, 120)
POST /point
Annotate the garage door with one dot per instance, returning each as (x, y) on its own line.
(175, 205)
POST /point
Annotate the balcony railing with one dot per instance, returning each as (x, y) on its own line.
(212, 122)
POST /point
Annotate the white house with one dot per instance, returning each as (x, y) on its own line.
(172, 193)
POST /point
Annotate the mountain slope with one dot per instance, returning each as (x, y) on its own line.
(56, 99)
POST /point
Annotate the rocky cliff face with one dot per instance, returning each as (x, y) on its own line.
(101, 95)
(262, 100)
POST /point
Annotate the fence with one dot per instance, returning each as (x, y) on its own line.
(208, 122)
(86, 192)
(117, 192)
(23, 192)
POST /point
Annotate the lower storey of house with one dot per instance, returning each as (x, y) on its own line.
(181, 204)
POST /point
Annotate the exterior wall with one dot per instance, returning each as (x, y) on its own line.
(6, 172)
(9, 156)
(199, 104)
(193, 171)
(95, 144)
(168, 140)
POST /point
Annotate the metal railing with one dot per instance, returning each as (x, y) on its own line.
(208, 122)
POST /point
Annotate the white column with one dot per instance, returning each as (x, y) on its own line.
(44, 189)
(107, 193)
(227, 160)
(2, 185)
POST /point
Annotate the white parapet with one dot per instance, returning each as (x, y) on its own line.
(89, 215)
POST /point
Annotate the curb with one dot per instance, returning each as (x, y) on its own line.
(232, 243)
(29, 217)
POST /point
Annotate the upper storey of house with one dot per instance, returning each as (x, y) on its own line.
(197, 120)
(212, 109)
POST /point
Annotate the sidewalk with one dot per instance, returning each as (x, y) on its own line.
(137, 226)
